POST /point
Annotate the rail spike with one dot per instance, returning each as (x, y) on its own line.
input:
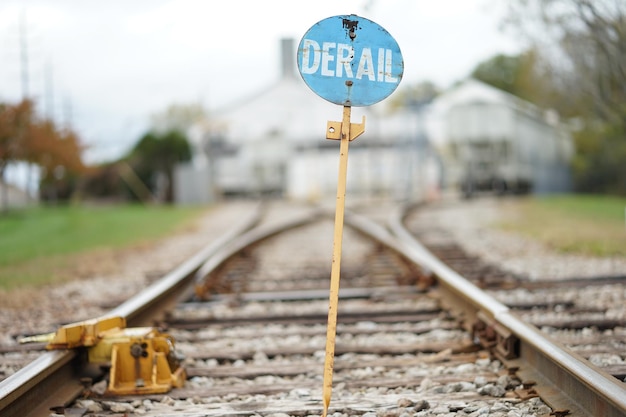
(493, 336)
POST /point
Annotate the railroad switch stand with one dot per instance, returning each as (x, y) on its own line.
(142, 360)
(358, 37)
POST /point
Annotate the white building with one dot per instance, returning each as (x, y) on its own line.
(14, 197)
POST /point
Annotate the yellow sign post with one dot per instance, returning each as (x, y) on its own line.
(345, 132)
(351, 61)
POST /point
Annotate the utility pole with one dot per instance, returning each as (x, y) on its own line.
(67, 113)
(24, 55)
(49, 91)
(25, 76)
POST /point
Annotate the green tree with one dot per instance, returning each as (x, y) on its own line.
(154, 157)
(24, 137)
(600, 161)
(501, 71)
(58, 153)
(15, 122)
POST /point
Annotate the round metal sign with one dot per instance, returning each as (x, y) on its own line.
(350, 60)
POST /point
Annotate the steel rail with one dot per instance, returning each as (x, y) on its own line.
(54, 378)
(586, 389)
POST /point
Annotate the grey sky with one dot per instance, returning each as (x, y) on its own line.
(106, 66)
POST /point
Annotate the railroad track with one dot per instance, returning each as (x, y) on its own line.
(249, 315)
(587, 314)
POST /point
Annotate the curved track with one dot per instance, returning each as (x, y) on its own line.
(268, 284)
(580, 385)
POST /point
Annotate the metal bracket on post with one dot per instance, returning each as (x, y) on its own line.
(333, 130)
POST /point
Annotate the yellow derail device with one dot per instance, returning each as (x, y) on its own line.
(142, 360)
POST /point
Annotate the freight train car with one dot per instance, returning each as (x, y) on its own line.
(495, 142)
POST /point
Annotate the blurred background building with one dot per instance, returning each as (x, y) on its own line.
(15, 197)
(472, 138)
(490, 140)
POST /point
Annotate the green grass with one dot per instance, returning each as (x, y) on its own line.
(581, 224)
(37, 244)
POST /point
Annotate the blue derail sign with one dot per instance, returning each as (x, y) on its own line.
(350, 60)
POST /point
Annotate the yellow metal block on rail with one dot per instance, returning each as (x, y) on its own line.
(142, 360)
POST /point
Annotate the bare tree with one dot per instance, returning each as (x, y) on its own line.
(582, 45)
(584, 41)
